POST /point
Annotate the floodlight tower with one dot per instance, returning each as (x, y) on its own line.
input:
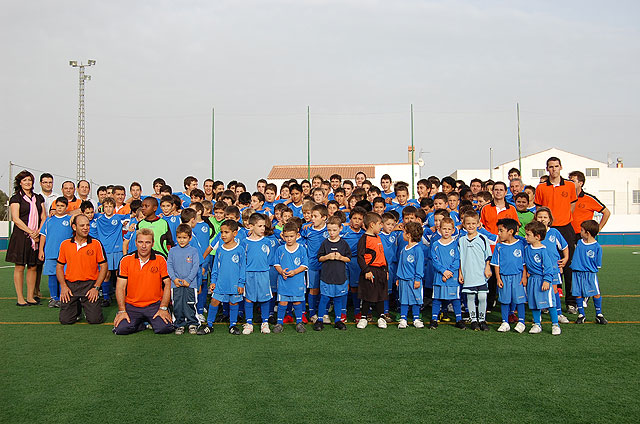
(80, 170)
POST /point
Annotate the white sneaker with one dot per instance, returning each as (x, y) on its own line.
(382, 323)
(504, 327)
(555, 330)
(362, 323)
(535, 329)
(418, 323)
(520, 327)
(402, 324)
(326, 319)
(201, 318)
(563, 320)
(313, 318)
(193, 329)
(247, 329)
(264, 328)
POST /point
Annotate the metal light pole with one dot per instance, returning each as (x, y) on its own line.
(80, 169)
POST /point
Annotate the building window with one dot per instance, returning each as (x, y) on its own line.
(592, 172)
(636, 197)
(537, 173)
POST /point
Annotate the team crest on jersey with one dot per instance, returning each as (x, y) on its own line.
(452, 253)
(114, 222)
(90, 252)
(65, 223)
(410, 259)
(204, 229)
(265, 249)
(235, 259)
(173, 219)
(392, 239)
(537, 258)
(154, 269)
(297, 261)
(552, 239)
(517, 253)
(325, 234)
(94, 225)
(189, 260)
(273, 243)
(591, 254)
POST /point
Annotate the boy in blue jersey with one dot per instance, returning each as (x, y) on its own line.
(314, 234)
(87, 209)
(587, 260)
(291, 262)
(110, 235)
(387, 192)
(410, 270)
(189, 216)
(296, 200)
(555, 244)
(402, 198)
(389, 236)
(258, 204)
(183, 266)
(228, 275)
(53, 232)
(540, 268)
(136, 216)
(270, 192)
(258, 285)
(475, 256)
(511, 273)
(453, 202)
(439, 203)
(170, 214)
(351, 234)
(334, 253)
(445, 257)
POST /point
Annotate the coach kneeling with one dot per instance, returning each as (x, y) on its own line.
(143, 289)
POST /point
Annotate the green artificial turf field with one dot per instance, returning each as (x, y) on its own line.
(85, 374)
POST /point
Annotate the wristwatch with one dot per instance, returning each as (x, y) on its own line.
(97, 287)
(164, 308)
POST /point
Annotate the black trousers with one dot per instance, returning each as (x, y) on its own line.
(70, 310)
(569, 235)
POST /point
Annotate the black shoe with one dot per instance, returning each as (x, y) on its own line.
(204, 329)
(300, 328)
(340, 325)
(33, 303)
(465, 315)
(433, 324)
(484, 326)
(318, 325)
(580, 319)
(106, 303)
(474, 326)
(37, 298)
(234, 330)
(23, 304)
(278, 328)
(460, 325)
(600, 319)
(272, 320)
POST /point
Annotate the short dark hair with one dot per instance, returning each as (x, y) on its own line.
(335, 177)
(135, 205)
(244, 198)
(290, 226)
(132, 185)
(187, 181)
(370, 218)
(521, 195)
(187, 215)
(379, 200)
(255, 217)
(45, 175)
(440, 196)
(509, 224)
(184, 229)
(166, 189)
(63, 200)
(554, 159)
(357, 211)
(409, 210)
(414, 230)
(295, 186)
(387, 216)
(86, 204)
(197, 193)
(591, 227)
(322, 209)
(442, 212)
(514, 170)
(166, 198)
(537, 228)
(230, 224)
(158, 181)
(232, 210)
(449, 180)
(579, 176)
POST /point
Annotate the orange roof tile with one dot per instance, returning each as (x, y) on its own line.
(284, 172)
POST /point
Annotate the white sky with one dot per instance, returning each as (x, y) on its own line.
(162, 66)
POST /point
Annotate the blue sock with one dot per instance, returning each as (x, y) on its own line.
(558, 303)
(512, 307)
(386, 306)
(343, 304)
(404, 310)
(211, 316)
(356, 303)
(298, 309)
(313, 304)
(281, 311)
(597, 302)
(54, 287)
(520, 309)
(504, 310)
(233, 314)
(272, 304)
(264, 310)
(106, 288)
(456, 309)
(338, 306)
(435, 309)
(322, 306)
(580, 303)
(537, 315)
(553, 314)
(202, 297)
(416, 311)
(248, 311)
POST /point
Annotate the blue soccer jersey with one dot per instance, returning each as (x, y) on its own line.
(509, 257)
(202, 231)
(390, 244)
(411, 263)
(554, 242)
(291, 260)
(229, 269)
(352, 238)
(386, 196)
(445, 257)
(56, 229)
(587, 257)
(313, 238)
(110, 231)
(297, 210)
(474, 254)
(258, 254)
(539, 262)
(93, 228)
(173, 222)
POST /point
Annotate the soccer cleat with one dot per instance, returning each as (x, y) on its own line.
(555, 330)
(545, 310)
(193, 329)
(247, 329)
(512, 318)
(264, 328)
(313, 318)
(460, 324)
(343, 318)
(600, 319)
(305, 319)
(357, 317)
(433, 324)
(52, 303)
(204, 329)
(387, 318)
(382, 323)
(318, 325)
(535, 329)
(234, 330)
(573, 310)
(402, 324)
(580, 319)
(201, 318)
(362, 323)
(288, 319)
(475, 326)
(562, 319)
(300, 328)
(417, 323)
(340, 326)
(179, 330)
(278, 328)
(560, 292)
(484, 326)
(272, 320)
(520, 327)
(326, 319)
(504, 327)
(444, 316)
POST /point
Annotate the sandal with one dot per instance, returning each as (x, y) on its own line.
(22, 304)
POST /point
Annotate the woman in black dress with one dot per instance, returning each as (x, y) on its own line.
(28, 215)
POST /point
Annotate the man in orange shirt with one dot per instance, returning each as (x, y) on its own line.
(497, 209)
(143, 289)
(586, 205)
(86, 268)
(68, 191)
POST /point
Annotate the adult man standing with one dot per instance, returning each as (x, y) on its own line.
(68, 191)
(586, 205)
(497, 209)
(515, 187)
(207, 187)
(84, 192)
(559, 195)
(143, 289)
(46, 190)
(81, 269)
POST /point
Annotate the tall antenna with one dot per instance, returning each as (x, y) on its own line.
(519, 149)
(81, 171)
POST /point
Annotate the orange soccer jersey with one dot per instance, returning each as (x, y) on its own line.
(585, 207)
(557, 198)
(144, 282)
(82, 263)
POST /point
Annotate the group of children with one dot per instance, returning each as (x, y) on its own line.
(314, 249)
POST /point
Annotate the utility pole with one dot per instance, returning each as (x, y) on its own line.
(80, 168)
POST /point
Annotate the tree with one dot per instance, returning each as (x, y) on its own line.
(4, 199)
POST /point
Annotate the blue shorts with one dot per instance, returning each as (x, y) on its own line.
(334, 290)
(113, 260)
(353, 271)
(537, 298)
(226, 298)
(273, 279)
(313, 279)
(257, 287)
(512, 291)
(476, 289)
(409, 295)
(285, 298)
(446, 292)
(585, 284)
(49, 267)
